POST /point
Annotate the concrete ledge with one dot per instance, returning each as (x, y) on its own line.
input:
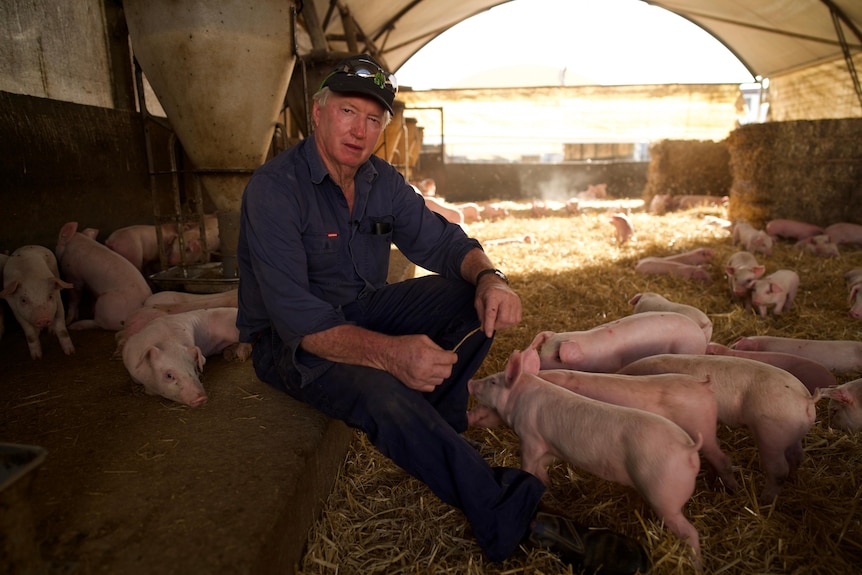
(136, 484)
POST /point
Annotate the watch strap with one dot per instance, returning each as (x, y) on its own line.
(494, 271)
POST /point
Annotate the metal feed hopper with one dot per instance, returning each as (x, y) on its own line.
(220, 69)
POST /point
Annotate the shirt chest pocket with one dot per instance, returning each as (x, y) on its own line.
(322, 251)
(319, 244)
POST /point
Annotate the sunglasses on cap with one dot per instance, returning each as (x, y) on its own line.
(362, 68)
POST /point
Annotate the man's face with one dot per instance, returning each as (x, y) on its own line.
(347, 129)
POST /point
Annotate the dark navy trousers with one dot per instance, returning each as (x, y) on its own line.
(419, 431)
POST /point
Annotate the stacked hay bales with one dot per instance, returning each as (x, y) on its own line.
(806, 170)
(688, 167)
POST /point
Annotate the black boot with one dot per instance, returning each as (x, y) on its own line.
(593, 551)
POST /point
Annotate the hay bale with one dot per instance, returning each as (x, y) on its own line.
(688, 167)
(806, 170)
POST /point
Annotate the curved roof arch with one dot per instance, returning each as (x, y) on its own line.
(770, 37)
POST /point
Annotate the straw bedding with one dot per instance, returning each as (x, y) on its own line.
(573, 276)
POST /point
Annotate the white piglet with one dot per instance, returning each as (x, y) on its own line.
(651, 301)
(31, 287)
(742, 271)
(167, 354)
(752, 239)
(608, 347)
(117, 285)
(628, 446)
(773, 404)
(838, 355)
(686, 400)
(778, 289)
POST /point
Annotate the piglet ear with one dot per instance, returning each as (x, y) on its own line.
(775, 288)
(68, 230)
(484, 416)
(541, 338)
(9, 289)
(758, 270)
(199, 357)
(838, 394)
(530, 362)
(853, 291)
(149, 354)
(513, 367)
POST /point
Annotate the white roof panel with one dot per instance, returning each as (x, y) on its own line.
(770, 37)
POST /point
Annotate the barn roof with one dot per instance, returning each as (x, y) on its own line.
(770, 37)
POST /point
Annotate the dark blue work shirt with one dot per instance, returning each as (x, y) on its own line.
(302, 255)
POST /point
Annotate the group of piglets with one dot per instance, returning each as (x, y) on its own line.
(163, 338)
(634, 400)
(812, 361)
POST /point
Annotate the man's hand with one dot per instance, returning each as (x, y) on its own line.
(418, 362)
(497, 305)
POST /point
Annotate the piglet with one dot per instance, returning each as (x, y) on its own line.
(623, 227)
(687, 401)
(854, 282)
(742, 271)
(118, 287)
(139, 244)
(662, 266)
(811, 373)
(773, 404)
(168, 353)
(695, 257)
(853, 276)
(628, 446)
(791, 229)
(845, 233)
(177, 302)
(752, 239)
(845, 405)
(608, 347)
(778, 289)
(661, 203)
(651, 301)
(838, 355)
(31, 287)
(820, 246)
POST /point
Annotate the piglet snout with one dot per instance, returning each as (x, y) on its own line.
(198, 401)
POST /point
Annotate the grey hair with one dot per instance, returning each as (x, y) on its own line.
(322, 95)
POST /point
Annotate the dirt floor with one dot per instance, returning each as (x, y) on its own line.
(134, 483)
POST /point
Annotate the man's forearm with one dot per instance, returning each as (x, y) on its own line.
(474, 262)
(347, 344)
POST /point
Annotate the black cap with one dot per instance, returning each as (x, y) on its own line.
(363, 75)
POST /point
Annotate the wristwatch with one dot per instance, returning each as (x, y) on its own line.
(496, 272)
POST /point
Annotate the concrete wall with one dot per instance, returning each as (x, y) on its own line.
(74, 51)
(61, 162)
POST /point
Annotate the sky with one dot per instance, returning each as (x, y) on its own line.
(598, 42)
